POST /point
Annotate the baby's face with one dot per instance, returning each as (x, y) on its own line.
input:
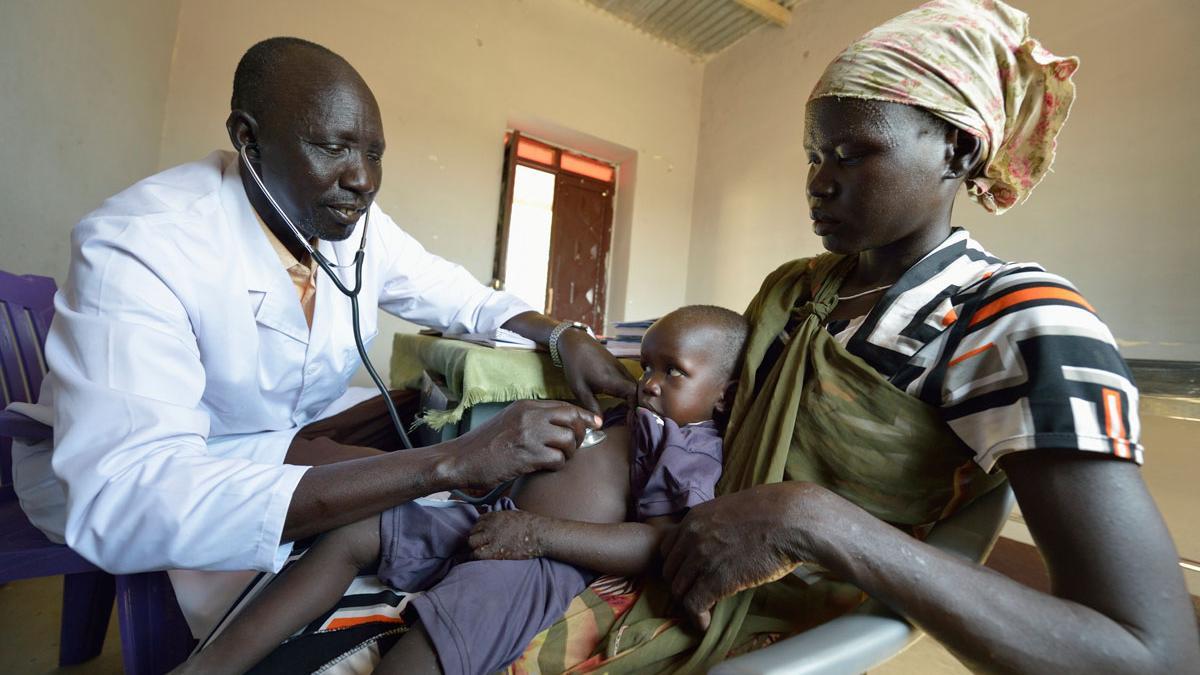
(681, 379)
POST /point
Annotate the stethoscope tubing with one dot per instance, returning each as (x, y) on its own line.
(351, 293)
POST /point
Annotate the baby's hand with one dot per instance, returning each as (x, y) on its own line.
(506, 535)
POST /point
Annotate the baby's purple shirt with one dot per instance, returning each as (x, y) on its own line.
(671, 468)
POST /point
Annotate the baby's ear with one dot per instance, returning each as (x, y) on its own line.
(724, 403)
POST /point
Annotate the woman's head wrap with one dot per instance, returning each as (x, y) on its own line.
(973, 64)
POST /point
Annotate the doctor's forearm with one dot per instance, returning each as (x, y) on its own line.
(332, 495)
(321, 450)
(532, 325)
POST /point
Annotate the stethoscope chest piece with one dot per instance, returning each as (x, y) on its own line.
(592, 437)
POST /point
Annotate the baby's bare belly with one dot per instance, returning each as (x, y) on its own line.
(592, 487)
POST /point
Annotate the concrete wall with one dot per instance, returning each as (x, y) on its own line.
(83, 86)
(86, 110)
(1115, 217)
(450, 77)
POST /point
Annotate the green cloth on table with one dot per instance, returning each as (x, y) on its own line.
(476, 374)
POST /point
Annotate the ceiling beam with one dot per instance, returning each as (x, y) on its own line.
(768, 10)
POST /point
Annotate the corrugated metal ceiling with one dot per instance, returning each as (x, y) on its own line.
(699, 27)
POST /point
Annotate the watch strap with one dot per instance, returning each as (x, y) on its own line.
(556, 335)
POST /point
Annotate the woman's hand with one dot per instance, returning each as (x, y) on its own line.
(506, 535)
(740, 541)
(526, 436)
(591, 369)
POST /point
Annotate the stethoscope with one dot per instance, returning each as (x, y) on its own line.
(591, 436)
(351, 293)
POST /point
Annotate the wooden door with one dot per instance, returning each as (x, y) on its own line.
(579, 240)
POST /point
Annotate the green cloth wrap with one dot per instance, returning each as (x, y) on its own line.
(824, 416)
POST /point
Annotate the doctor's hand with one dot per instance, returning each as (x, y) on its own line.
(591, 369)
(588, 367)
(526, 436)
(740, 541)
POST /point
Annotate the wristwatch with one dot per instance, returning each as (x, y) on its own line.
(555, 334)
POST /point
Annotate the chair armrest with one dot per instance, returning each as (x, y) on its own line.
(972, 532)
(849, 644)
(873, 634)
(16, 425)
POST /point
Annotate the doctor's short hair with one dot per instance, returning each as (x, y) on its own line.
(258, 70)
(730, 327)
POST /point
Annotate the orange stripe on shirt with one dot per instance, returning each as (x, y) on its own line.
(347, 622)
(1114, 422)
(1028, 295)
(950, 317)
(963, 357)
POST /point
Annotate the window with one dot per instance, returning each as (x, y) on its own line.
(555, 229)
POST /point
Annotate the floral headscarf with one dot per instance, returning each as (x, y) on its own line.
(973, 64)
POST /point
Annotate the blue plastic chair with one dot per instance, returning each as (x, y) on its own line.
(154, 634)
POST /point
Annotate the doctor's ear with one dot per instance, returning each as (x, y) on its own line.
(243, 132)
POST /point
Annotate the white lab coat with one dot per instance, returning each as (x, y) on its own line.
(181, 366)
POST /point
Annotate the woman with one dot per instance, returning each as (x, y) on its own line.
(1011, 358)
(891, 381)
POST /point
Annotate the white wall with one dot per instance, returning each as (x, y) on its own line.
(82, 91)
(85, 110)
(449, 77)
(1116, 216)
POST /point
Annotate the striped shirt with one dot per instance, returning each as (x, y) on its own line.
(1014, 356)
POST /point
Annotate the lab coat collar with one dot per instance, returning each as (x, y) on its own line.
(279, 308)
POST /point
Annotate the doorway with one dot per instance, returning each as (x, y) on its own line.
(555, 229)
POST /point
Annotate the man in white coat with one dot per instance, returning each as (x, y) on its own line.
(194, 339)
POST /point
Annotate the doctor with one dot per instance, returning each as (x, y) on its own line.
(194, 339)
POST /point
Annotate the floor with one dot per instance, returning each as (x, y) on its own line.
(29, 645)
(29, 638)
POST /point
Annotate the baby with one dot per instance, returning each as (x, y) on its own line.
(493, 577)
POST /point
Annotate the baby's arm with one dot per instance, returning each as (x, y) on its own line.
(623, 549)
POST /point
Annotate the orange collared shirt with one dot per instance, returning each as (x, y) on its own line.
(304, 276)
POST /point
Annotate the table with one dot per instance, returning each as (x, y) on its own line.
(478, 381)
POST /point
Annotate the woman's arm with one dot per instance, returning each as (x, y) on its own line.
(623, 549)
(1119, 602)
